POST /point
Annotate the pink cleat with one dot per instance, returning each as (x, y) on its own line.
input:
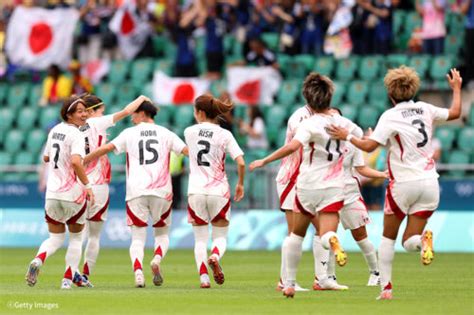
(289, 292)
(386, 293)
(217, 272)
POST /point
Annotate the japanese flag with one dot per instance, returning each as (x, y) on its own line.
(253, 85)
(167, 90)
(37, 38)
(132, 32)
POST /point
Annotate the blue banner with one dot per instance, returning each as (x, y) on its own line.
(253, 229)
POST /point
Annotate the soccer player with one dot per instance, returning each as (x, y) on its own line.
(208, 189)
(66, 197)
(149, 190)
(98, 171)
(320, 183)
(413, 190)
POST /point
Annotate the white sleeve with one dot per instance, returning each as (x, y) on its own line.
(78, 144)
(233, 147)
(303, 134)
(177, 145)
(351, 126)
(358, 132)
(382, 131)
(438, 113)
(120, 142)
(358, 159)
(47, 147)
(103, 123)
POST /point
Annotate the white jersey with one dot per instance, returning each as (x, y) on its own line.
(64, 141)
(321, 166)
(208, 144)
(407, 129)
(353, 157)
(95, 134)
(290, 164)
(148, 148)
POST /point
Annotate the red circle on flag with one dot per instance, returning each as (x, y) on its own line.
(128, 24)
(41, 36)
(184, 93)
(249, 92)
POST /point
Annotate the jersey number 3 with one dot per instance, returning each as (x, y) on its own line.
(422, 131)
(148, 148)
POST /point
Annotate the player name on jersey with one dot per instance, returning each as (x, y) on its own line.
(412, 112)
(59, 136)
(205, 133)
(148, 133)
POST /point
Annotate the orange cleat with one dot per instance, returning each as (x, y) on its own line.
(216, 270)
(341, 256)
(289, 292)
(427, 252)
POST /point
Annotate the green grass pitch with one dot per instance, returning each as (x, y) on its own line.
(445, 287)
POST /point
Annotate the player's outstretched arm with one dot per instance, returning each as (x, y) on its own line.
(102, 150)
(455, 81)
(81, 174)
(282, 152)
(130, 108)
(370, 172)
(367, 145)
(239, 188)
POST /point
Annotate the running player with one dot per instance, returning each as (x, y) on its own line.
(98, 171)
(413, 190)
(66, 198)
(208, 189)
(149, 191)
(320, 183)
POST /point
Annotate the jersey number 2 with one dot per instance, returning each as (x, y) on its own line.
(207, 148)
(422, 131)
(148, 147)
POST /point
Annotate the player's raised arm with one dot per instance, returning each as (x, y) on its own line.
(455, 81)
(239, 188)
(285, 150)
(102, 150)
(130, 108)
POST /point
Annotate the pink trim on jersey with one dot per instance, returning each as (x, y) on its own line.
(336, 169)
(393, 205)
(363, 202)
(98, 216)
(358, 184)
(300, 207)
(311, 144)
(399, 141)
(133, 220)
(223, 213)
(333, 207)
(219, 172)
(289, 187)
(69, 182)
(389, 167)
(161, 222)
(74, 219)
(50, 220)
(425, 214)
(194, 217)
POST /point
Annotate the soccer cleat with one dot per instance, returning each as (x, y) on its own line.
(33, 271)
(205, 281)
(289, 292)
(329, 283)
(385, 295)
(157, 277)
(81, 281)
(139, 279)
(339, 253)
(374, 279)
(217, 272)
(298, 288)
(427, 253)
(66, 284)
(280, 286)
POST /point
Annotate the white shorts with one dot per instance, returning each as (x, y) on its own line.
(65, 212)
(140, 208)
(354, 215)
(203, 209)
(312, 201)
(98, 211)
(287, 194)
(420, 197)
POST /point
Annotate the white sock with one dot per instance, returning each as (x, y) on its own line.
(413, 244)
(284, 248)
(137, 247)
(92, 247)
(162, 243)
(201, 237)
(331, 264)
(293, 257)
(73, 254)
(219, 241)
(386, 254)
(368, 250)
(50, 246)
(325, 239)
(321, 259)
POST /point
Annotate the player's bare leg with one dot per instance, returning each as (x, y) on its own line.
(370, 255)
(201, 237)
(137, 247)
(162, 242)
(219, 244)
(391, 225)
(415, 240)
(56, 239)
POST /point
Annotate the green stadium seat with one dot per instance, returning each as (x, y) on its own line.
(271, 40)
(440, 67)
(27, 118)
(339, 93)
(218, 87)
(48, 116)
(346, 69)
(165, 65)
(456, 24)
(368, 117)
(458, 157)
(6, 121)
(288, 92)
(349, 111)
(25, 158)
(396, 60)
(184, 116)
(14, 140)
(466, 139)
(117, 159)
(17, 95)
(369, 68)
(471, 115)
(357, 92)
(200, 47)
(237, 51)
(106, 92)
(35, 95)
(229, 41)
(307, 60)
(125, 93)
(118, 71)
(324, 65)
(281, 137)
(446, 136)
(170, 50)
(398, 20)
(35, 141)
(240, 112)
(258, 189)
(274, 120)
(164, 115)
(13, 177)
(3, 92)
(159, 44)
(453, 44)
(378, 95)
(421, 64)
(412, 21)
(294, 68)
(5, 158)
(142, 70)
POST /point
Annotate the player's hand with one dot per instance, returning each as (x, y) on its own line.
(338, 132)
(454, 79)
(239, 193)
(90, 196)
(256, 164)
(386, 174)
